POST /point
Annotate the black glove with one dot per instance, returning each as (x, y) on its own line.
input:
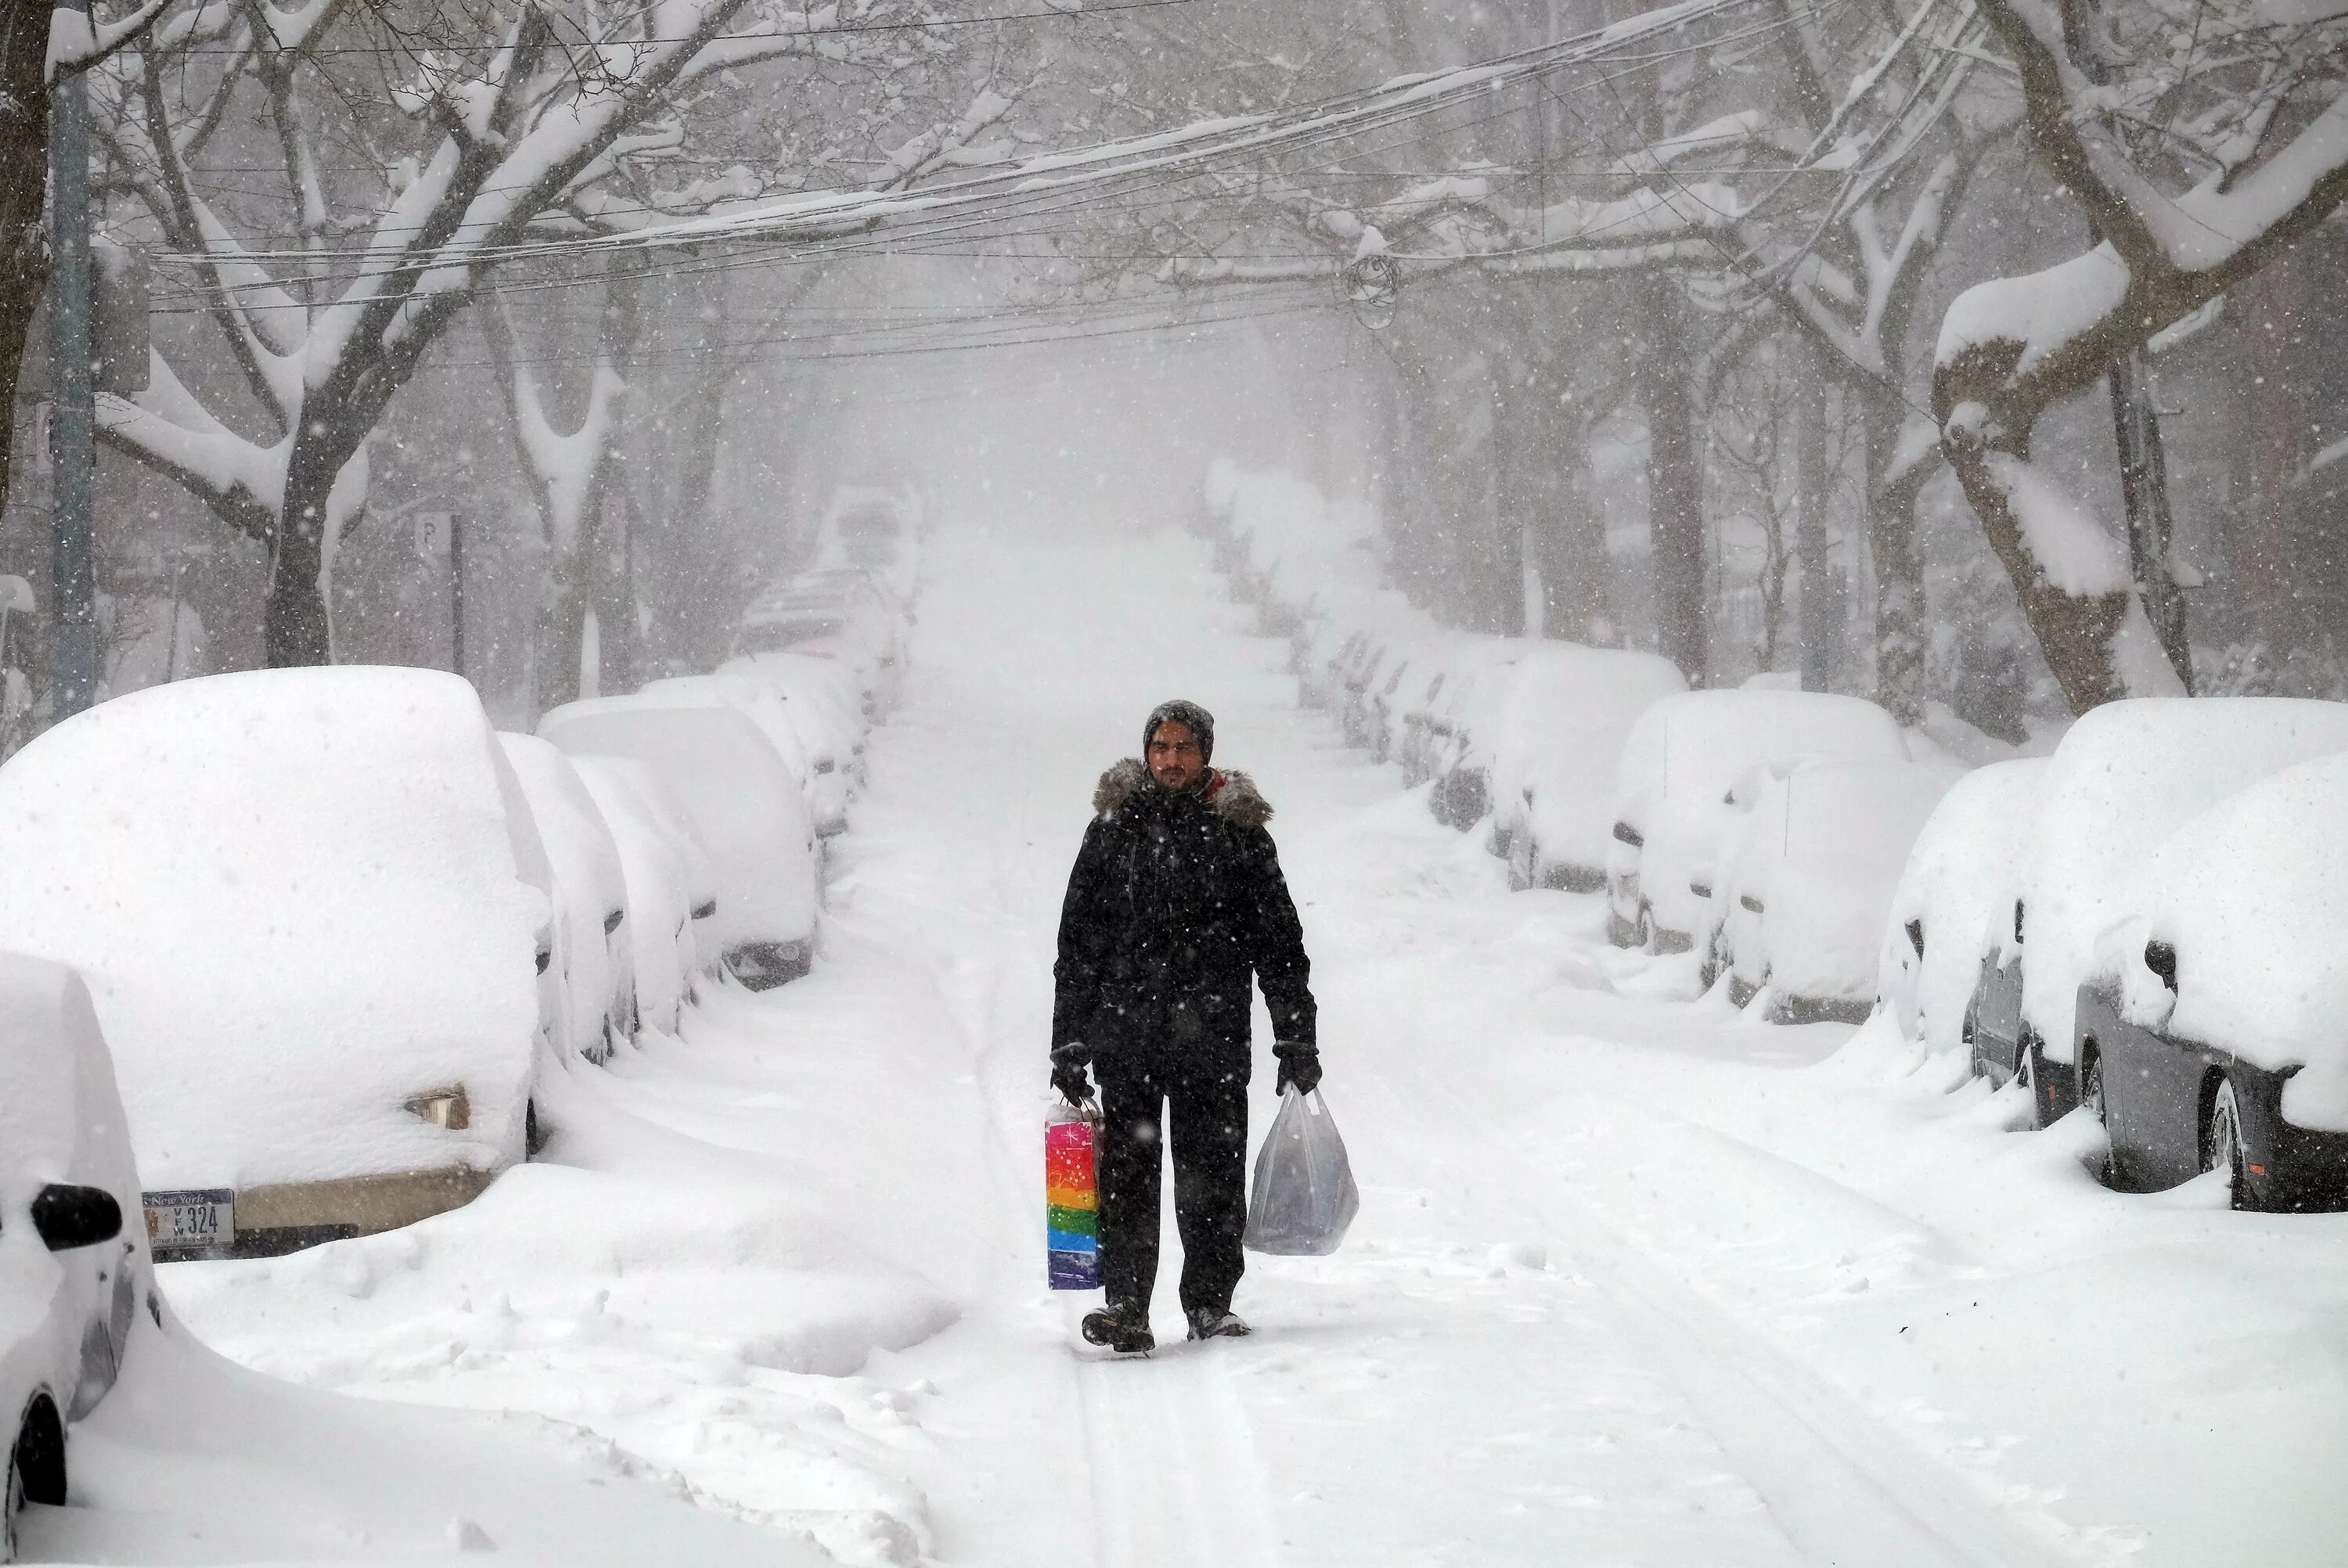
(1300, 1067)
(1068, 1075)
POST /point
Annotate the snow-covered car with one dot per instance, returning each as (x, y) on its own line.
(314, 914)
(1400, 689)
(823, 702)
(845, 616)
(798, 732)
(1810, 878)
(875, 529)
(672, 886)
(2125, 777)
(74, 1277)
(1957, 881)
(2209, 1030)
(1459, 727)
(1672, 794)
(744, 806)
(1556, 746)
(593, 957)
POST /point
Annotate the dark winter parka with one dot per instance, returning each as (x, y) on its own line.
(1177, 900)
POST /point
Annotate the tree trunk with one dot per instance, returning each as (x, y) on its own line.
(1900, 612)
(2076, 631)
(1511, 463)
(1674, 482)
(294, 629)
(24, 179)
(1820, 636)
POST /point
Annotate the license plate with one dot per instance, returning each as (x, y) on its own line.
(203, 1220)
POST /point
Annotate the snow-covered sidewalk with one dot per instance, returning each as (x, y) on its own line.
(1635, 1280)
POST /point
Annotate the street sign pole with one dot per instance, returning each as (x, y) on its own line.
(73, 572)
(457, 592)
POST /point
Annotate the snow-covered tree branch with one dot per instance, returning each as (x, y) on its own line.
(2214, 141)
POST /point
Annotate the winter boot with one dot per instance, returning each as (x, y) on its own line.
(1122, 1329)
(1208, 1323)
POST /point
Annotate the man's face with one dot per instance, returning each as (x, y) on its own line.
(1174, 758)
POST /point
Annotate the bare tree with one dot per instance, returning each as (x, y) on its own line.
(513, 118)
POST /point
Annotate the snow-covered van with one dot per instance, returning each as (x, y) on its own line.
(1672, 804)
(2125, 777)
(744, 806)
(314, 916)
(75, 1278)
(2209, 1029)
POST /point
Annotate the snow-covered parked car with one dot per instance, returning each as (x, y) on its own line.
(1673, 809)
(2125, 777)
(1554, 754)
(313, 915)
(2209, 1030)
(799, 729)
(672, 886)
(1810, 878)
(1459, 730)
(1957, 884)
(593, 957)
(823, 704)
(742, 803)
(74, 1275)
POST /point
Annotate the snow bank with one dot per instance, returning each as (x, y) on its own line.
(1957, 890)
(298, 900)
(1684, 754)
(742, 802)
(1814, 870)
(2126, 776)
(2252, 898)
(592, 954)
(1568, 713)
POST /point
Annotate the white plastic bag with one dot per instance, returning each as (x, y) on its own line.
(1304, 1194)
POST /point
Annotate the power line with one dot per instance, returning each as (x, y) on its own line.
(407, 51)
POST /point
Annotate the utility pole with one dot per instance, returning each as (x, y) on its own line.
(73, 628)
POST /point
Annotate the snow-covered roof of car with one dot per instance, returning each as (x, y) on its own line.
(297, 898)
(2251, 897)
(2126, 776)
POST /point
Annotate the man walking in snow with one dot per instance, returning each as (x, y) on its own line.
(1176, 900)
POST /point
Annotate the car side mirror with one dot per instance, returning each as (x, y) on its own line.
(2161, 960)
(67, 1216)
(1915, 929)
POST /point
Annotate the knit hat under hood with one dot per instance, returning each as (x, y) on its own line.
(1200, 723)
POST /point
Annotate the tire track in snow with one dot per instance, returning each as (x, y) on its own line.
(1845, 1488)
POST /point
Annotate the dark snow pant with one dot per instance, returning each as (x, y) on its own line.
(1208, 1122)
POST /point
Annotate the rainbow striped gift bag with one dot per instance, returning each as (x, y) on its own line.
(1071, 1201)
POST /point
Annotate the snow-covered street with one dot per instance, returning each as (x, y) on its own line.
(1636, 1279)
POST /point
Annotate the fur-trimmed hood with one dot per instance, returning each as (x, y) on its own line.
(1231, 792)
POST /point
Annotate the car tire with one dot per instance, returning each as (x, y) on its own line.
(11, 1504)
(2025, 1073)
(2091, 1100)
(2222, 1147)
